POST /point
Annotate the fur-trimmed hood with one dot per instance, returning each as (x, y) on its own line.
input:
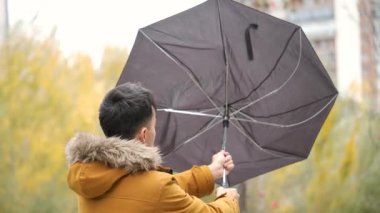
(113, 152)
(96, 163)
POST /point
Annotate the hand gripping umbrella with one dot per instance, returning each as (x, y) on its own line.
(223, 71)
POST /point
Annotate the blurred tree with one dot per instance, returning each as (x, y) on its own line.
(341, 174)
(45, 98)
(33, 106)
(367, 193)
(113, 62)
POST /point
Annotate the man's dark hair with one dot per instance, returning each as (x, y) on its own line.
(125, 109)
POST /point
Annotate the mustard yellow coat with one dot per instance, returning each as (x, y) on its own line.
(114, 175)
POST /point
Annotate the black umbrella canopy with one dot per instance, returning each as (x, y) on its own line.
(223, 64)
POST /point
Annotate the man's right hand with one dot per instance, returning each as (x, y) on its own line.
(230, 192)
(221, 160)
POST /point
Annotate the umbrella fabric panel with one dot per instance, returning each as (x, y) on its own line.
(197, 27)
(296, 90)
(175, 129)
(255, 169)
(296, 140)
(291, 115)
(198, 151)
(200, 51)
(267, 45)
(193, 41)
(205, 67)
(293, 82)
(171, 89)
(247, 153)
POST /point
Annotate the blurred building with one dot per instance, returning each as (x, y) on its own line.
(369, 11)
(344, 33)
(3, 20)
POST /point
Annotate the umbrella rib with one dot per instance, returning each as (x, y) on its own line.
(182, 66)
(279, 88)
(226, 81)
(221, 32)
(211, 125)
(225, 49)
(257, 145)
(188, 46)
(195, 113)
(252, 120)
(210, 109)
(288, 111)
(212, 121)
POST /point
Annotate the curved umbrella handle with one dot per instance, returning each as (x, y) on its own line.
(248, 40)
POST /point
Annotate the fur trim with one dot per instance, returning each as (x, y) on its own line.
(114, 152)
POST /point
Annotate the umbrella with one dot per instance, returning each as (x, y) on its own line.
(226, 76)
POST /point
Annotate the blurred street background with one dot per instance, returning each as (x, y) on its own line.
(59, 58)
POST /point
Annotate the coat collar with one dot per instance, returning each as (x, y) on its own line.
(114, 152)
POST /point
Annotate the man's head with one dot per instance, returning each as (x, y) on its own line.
(128, 111)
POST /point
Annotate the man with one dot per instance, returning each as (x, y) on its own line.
(121, 172)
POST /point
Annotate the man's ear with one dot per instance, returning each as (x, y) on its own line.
(141, 134)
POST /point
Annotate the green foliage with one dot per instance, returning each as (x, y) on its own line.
(45, 98)
(341, 174)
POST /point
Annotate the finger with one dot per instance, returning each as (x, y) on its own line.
(229, 167)
(228, 163)
(228, 158)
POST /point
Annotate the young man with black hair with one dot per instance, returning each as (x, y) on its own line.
(121, 172)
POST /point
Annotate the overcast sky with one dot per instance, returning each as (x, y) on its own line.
(89, 25)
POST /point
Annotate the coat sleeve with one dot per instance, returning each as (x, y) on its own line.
(174, 199)
(197, 181)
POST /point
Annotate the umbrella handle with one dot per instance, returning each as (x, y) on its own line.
(248, 41)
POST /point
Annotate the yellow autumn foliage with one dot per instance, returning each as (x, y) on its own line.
(45, 98)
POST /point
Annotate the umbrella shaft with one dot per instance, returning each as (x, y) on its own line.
(226, 122)
(224, 139)
(225, 181)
